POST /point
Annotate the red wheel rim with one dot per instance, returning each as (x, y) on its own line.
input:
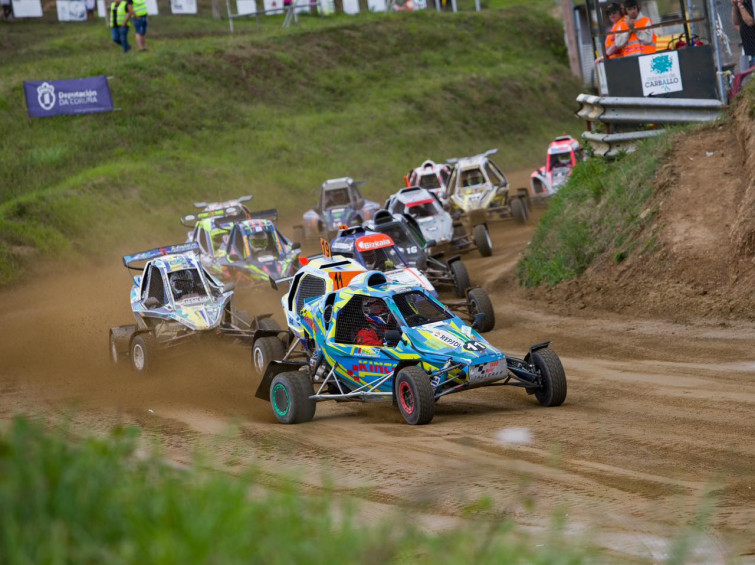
(406, 397)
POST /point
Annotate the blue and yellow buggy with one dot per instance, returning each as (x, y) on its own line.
(380, 340)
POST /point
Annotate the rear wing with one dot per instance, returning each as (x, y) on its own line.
(190, 220)
(271, 214)
(129, 260)
(488, 153)
(203, 205)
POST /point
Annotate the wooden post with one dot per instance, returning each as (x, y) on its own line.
(572, 46)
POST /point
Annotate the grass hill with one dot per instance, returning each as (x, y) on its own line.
(267, 111)
(668, 230)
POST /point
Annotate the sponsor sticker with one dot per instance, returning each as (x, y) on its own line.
(447, 338)
(376, 241)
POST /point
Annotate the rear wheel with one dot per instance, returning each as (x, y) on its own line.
(290, 398)
(517, 211)
(143, 352)
(414, 396)
(479, 303)
(482, 240)
(460, 276)
(115, 357)
(524, 194)
(299, 235)
(552, 377)
(265, 350)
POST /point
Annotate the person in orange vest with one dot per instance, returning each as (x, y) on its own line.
(614, 14)
(635, 40)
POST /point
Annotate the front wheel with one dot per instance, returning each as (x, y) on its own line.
(552, 390)
(482, 240)
(480, 303)
(143, 352)
(414, 396)
(290, 398)
(460, 276)
(264, 351)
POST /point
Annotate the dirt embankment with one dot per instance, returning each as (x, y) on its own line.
(702, 240)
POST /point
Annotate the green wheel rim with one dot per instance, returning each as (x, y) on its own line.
(280, 396)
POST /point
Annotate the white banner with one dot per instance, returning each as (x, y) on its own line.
(660, 73)
(244, 7)
(152, 8)
(377, 5)
(101, 10)
(351, 6)
(72, 10)
(27, 8)
(183, 6)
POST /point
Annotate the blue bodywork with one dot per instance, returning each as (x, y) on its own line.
(454, 355)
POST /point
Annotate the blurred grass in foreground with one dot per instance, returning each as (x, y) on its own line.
(102, 500)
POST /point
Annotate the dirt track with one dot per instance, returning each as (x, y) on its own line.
(657, 419)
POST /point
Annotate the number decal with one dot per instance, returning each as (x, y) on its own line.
(474, 346)
(338, 280)
(325, 248)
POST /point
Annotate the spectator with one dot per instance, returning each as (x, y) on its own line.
(7, 10)
(744, 20)
(138, 12)
(614, 14)
(634, 40)
(118, 20)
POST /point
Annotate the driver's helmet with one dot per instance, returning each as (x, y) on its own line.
(181, 283)
(258, 241)
(375, 311)
(370, 258)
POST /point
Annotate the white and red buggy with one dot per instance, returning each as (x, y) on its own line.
(563, 155)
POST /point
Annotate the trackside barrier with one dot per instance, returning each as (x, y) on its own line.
(634, 113)
(291, 11)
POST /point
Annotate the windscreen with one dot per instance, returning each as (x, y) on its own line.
(186, 284)
(335, 198)
(422, 210)
(429, 181)
(418, 309)
(383, 259)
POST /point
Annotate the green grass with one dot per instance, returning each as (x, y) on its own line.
(103, 500)
(603, 208)
(267, 111)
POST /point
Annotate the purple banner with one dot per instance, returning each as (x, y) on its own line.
(62, 97)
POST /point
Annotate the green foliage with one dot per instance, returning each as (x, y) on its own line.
(602, 208)
(65, 500)
(206, 115)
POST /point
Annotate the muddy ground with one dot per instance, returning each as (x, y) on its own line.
(657, 425)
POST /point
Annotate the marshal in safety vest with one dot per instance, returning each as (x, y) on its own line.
(122, 13)
(140, 8)
(633, 45)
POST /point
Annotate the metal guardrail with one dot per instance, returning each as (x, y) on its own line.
(626, 112)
